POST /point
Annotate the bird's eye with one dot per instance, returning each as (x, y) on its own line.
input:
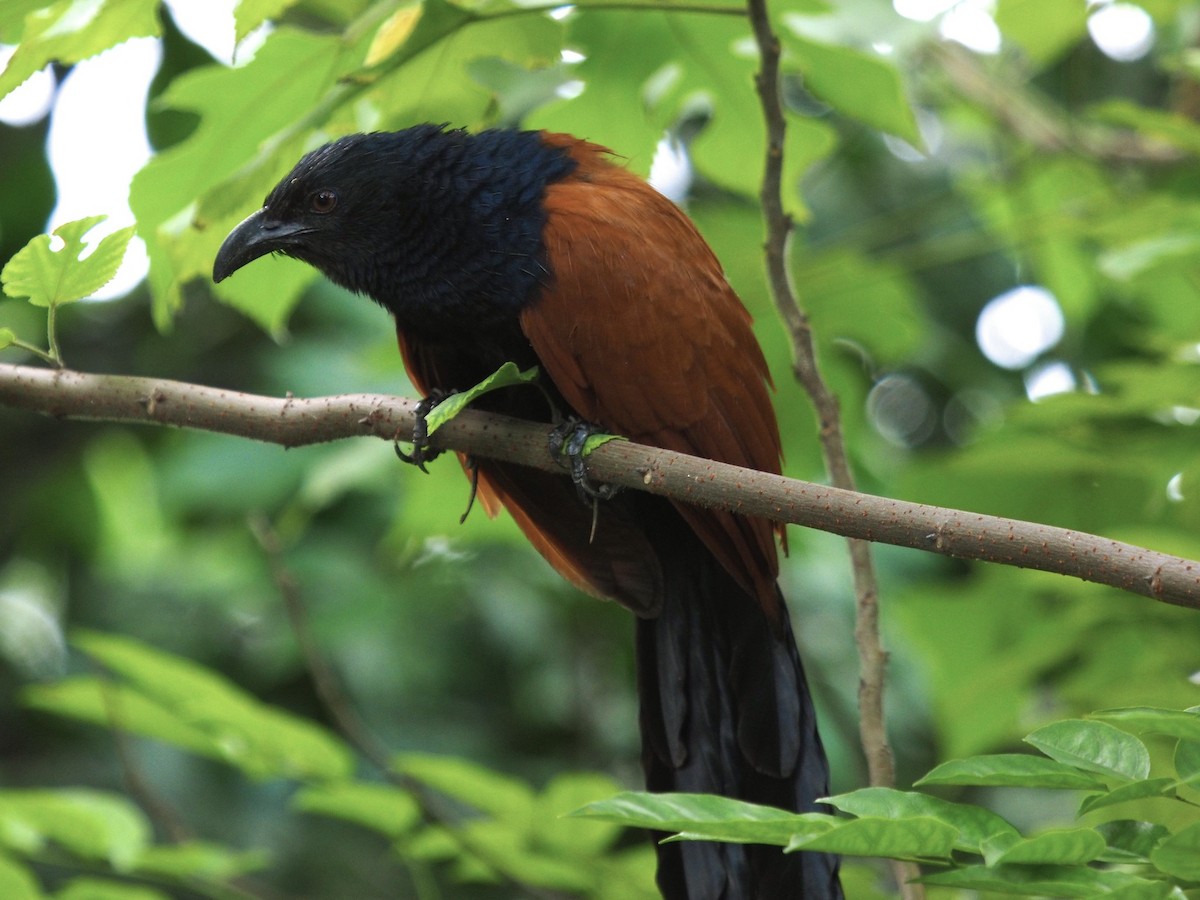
(324, 201)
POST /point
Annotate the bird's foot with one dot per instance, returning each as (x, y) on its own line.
(569, 441)
(421, 451)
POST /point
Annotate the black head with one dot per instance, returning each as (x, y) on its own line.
(443, 228)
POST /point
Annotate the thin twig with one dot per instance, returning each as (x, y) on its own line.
(295, 422)
(326, 681)
(160, 811)
(872, 657)
(1035, 119)
(173, 825)
(337, 702)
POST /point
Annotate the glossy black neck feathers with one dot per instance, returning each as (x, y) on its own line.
(443, 228)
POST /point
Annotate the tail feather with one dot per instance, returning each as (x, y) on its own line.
(725, 709)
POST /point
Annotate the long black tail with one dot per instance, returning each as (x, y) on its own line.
(725, 709)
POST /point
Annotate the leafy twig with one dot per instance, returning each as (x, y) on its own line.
(8, 339)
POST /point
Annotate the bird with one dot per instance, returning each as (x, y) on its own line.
(543, 249)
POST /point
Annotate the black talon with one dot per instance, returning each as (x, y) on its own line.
(568, 439)
(422, 452)
(472, 467)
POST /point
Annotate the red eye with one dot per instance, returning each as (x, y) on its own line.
(324, 201)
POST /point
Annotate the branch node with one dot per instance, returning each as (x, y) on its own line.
(150, 402)
(1155, 582)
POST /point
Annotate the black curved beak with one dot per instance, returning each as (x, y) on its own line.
(257, 235)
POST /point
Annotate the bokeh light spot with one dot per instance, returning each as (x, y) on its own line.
(1017, 326)
(1122, 31)
(901, 410)
(1048, 379)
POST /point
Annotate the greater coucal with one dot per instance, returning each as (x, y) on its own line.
(536, 248)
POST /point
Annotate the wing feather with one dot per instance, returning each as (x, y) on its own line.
(642, 334)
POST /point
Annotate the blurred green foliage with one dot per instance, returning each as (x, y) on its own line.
(1047, 163)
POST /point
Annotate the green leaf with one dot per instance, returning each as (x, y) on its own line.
(859, 300)
(90, 824)
(490, 792)
(1044, 29)
(71, 30)
(240, 110)
(267, 292)
(411, 30)
(179, 701)
(103, 889)
(1146, 890)
(973, 823)
(523, 837)
(857, 84)
(1063, 256)
(51, 272)
(596, 441)
(527, 841)
(675, 67)
(1011, 770)
(16, 881)
(1179, 854)
(94, 700)
(432, 844)
(1187, 762)
(264, 741)
(7, 337)
(446, 69)
(516, 857)
(918, 837)
(1130, 841)
(13, 17)
(1066, 846)
(705, 816)
(1126, 262)
(1137, 790)
(133, 528)
(1093, 746)
(1178, 723)
(1038, 881)
(572, 836)
(517, 90)
(508, 375)
(252, 13)
(200, 859)
(379, 807)
(615, 109)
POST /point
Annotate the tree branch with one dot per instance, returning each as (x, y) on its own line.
(293, 422)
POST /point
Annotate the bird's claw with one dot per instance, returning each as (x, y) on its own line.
(568, 439)
(421, 451)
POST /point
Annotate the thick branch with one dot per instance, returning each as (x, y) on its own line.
(293, 422)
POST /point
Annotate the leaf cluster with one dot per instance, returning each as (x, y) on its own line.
(499, 830)
(968, 847)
